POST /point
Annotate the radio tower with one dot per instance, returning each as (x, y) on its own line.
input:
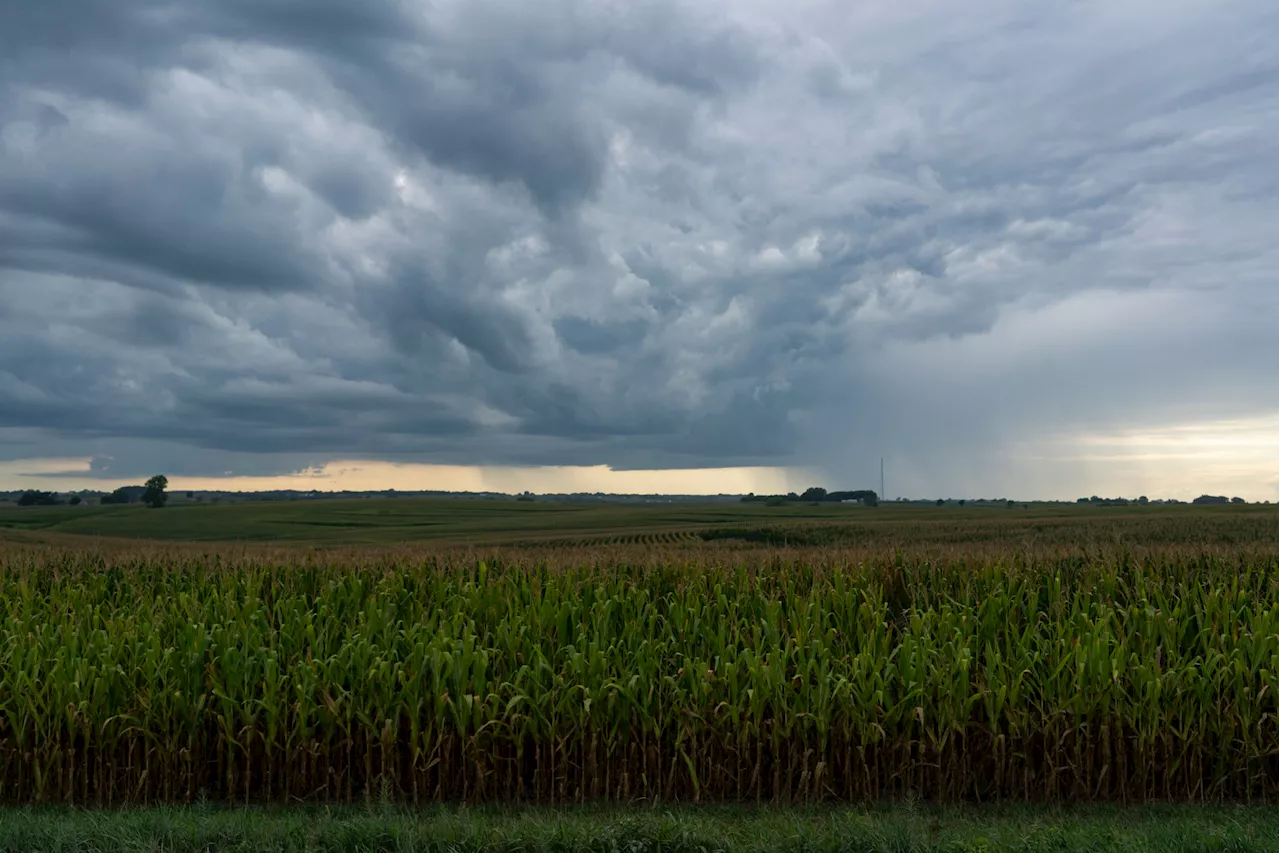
(883, 496)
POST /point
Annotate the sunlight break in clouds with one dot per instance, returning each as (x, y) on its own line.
(1232, 457)
(373, 475)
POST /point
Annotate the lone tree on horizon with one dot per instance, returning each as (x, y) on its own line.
(154, 495)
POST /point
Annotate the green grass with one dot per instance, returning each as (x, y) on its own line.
(898, 828)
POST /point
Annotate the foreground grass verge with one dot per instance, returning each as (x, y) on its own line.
(899, 828)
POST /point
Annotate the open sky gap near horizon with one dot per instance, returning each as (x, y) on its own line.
(1029, 250)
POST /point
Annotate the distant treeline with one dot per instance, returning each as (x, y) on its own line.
(124, 495)
(1142, 501)
(34, 497)
(816, 494)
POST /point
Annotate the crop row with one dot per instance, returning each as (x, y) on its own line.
(142, 680)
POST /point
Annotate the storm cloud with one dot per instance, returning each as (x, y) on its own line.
(251, 237)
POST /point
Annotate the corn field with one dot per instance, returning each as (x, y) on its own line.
(132, 676)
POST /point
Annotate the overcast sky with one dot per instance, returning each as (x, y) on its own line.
(1026, 249)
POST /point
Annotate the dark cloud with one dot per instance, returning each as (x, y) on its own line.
(418, 308)
(592, 337)
(253, 236)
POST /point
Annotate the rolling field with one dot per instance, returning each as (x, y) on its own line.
(381, 521)
(543, 654)
(482, 524)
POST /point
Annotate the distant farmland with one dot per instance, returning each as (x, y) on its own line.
(483, 523)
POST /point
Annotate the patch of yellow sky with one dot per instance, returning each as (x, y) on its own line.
(1235, 457)
(375, 475)
(1228, 457)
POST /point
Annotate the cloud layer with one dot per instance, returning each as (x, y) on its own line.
(256, 236)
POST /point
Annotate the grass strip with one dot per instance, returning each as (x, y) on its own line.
(898, 828)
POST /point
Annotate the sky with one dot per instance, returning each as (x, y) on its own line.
(1026, 251)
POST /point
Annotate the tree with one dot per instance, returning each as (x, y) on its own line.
(939, 501)
(1009, 504)
(37, 498)
(124, 495)
(1142, 500)
(860, 495)
(814, 493)
(75, 500)
(154, 495)
(962, 502)
(1237, 500)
